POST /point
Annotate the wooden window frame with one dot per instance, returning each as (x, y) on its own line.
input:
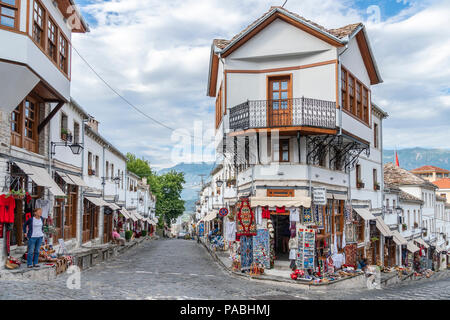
(280, 192)
(19, 138)
(358, 176)
(375, 178)
(375, 135)
(52, 44)
(63, 53)
(282, 143)
(219, 108)
(359, 109)
(43, 28)
(16, 9)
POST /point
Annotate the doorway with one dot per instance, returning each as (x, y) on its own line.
(281, 226)
(280, 101)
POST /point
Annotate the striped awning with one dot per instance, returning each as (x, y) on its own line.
(422, 242)
(99, 202)
(399, 239)
(125, 213)
(364, 213)
(412, 247)
(41, 177)
(384, 229)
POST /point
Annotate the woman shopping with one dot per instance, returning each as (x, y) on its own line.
(34, 235)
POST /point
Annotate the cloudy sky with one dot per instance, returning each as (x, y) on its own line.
(156, 54)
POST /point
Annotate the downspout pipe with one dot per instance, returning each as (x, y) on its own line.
(339, 80)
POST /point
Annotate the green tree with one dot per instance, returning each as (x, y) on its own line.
(166, 187)
(138, 166)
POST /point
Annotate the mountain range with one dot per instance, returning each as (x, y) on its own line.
(409, 159)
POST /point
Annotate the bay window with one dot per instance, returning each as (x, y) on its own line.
(9, 13)
(38, 23)
(355, 96)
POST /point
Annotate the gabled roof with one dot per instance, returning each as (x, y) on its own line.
(442, 183)
(405, 196)
(68, 8)
(397, 176)
(427, 169)
(337, 37)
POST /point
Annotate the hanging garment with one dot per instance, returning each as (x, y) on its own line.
(265, 213)
(343, 240)
(261, 248)
(45, 206)
(293, 243)
(318, 216)
(246, 252)
(281, 210)
(338, 260)
(295, 215)
(293, 254)
(258, 216)
(293, 230)
(230, 234)
(7, 206)
(246, 225)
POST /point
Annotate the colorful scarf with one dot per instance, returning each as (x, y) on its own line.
(307, 216)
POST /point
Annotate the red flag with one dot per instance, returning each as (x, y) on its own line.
(397, 163)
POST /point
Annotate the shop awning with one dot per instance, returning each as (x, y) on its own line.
(125, 213)
(211, 216)
(65, 178)
(412, 247)
(422, 242)
(398, 238)
(99, 202)
(41, 177)
(77, 180)
(139, 216)
(336, 196)
(113, 206)
(364, 213)
(133, 216)
(287, 202)
(384, 229)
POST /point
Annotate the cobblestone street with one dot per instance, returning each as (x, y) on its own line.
(179, 269)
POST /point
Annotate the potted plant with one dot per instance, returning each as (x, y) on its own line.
(374, 239)
(128, 235)
(144, 233)
(64, 133)
(416, 225)
(376, 186)
(91, 172)
(360, 184)
(17, 194)
(404, 227)
(231, 182)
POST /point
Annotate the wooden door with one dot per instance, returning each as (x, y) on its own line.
(280, 101)
(107, 228)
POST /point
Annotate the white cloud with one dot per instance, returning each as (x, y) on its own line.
(156, 53)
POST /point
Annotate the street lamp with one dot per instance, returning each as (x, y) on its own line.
(219, 183)
(76, 148)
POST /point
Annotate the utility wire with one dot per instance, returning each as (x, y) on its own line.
(123, 98)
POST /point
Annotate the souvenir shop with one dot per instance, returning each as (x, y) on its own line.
(26, 188)
(311, 237)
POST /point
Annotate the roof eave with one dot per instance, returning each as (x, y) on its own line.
(267, 16)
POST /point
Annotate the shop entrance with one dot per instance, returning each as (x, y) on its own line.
(282, 234)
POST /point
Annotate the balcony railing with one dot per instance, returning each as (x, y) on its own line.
(283, 113)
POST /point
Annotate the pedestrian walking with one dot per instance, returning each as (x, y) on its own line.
(34, 235)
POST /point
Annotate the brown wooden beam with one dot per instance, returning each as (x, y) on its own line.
(50, 116)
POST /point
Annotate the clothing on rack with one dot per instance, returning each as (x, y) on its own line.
(230, 231)
(7, 206)
(294, 215)
(265, 213)
(45, 206)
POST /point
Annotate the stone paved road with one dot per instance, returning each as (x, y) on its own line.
(179, 269)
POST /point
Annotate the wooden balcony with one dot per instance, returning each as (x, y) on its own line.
(303, 114)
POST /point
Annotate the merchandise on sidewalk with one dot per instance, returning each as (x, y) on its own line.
(261, 249)
(246, 250)
(306, 248)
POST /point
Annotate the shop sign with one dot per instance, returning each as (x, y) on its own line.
(320, 196)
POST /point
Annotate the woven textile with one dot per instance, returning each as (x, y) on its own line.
(318, 216)
(350, 233)
(350, 254)
(246, 252)
(246, 225)
(307, 216)
(261, 248)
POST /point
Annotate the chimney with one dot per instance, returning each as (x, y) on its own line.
(93, 124)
